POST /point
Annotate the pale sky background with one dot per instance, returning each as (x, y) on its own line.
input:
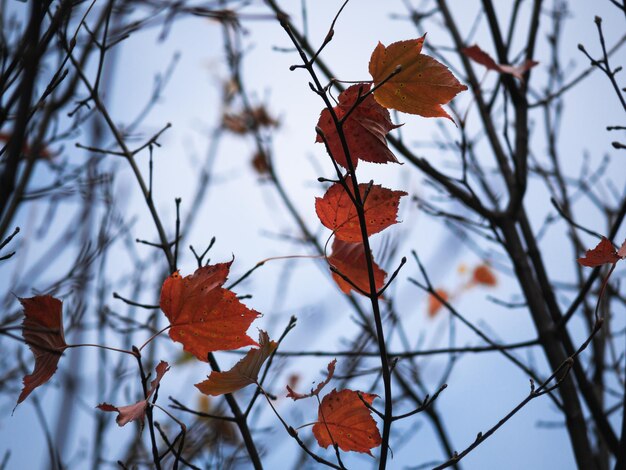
(239, 211)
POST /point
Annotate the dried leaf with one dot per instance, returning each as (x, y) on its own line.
(42, 330)
(603, 253)
(422, 85)
(337, 212)
(136, 411)
(314, 392)
(345, 420)
(364, 129)
(478, 55)
(205, 317)
(244, 373)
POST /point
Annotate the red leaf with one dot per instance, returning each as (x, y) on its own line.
(244, 373)
(205, 317)
(364, 129)
(603, 253)
(434, 304)
(422, 85)
(349, 421)
(622, 250)
(478, 55)
(484, 275)
(349, 259)
(42, 330)
(136, 411)
(337, 212)
(314, 392)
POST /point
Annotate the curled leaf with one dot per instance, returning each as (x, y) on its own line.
(244, 373)
(478, 55)
(344, 419)
(421, 85)
(603, 253)
(364, 129)
(205, 317)
(314, 392)
(136, 411)
(42, 330)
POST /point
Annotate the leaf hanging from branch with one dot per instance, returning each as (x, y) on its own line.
(42, 330)
(244, 373)
(421, 85)
(364, 129)
(349, 259)
(337, 212)
(204, 316)
(345, 420)
(136, 411)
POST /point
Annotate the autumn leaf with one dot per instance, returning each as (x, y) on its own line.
(42, 330)
(314, 391)
(478, 55)
(136, 411)
(484, 275)
(345, 420)
(337, 212)
(349, 259)
(364, 129)
(434, 304)
(249, 120)
(420, 87)
(244, 373)
(603, 253)
(205, 317)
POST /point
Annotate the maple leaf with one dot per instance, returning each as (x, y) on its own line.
(364, 129)
(42, 330)
(337, 212)
(314, 392)
(345, 420)
(484, 275)
(244, 373)
(478, 55)
(136, 411)
(603, 253)
(434, 304)
(420, 87)
(204, 316)
(349, 259)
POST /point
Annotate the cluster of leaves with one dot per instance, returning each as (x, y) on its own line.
(205, 317)
(355, 129)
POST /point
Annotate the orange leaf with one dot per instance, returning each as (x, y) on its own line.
(314, 392)
(337, 212)
(205, 317)
(365, 129)
(434, 304)
(244, 373)
(42, 330)
(478, 55)
(603, 253)
(349, 260)
(136, 411)
(345, 420)
(422, 85)
(484, 275)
